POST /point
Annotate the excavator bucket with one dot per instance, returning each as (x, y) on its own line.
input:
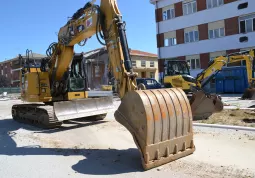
(249, 94)
(67, 110)
(204, 105)
(160, 122)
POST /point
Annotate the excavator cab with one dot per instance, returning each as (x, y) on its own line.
(177, 74)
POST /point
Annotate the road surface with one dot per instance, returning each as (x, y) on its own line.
(106, 149)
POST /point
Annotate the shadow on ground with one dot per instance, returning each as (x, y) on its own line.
(246, 120)
(95, 162)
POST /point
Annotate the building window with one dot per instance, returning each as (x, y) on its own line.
(133, 63)
(152, 75)
(212, 58)
(170, 42)
(143, 63)
(247, 24)
(214, 3)
(6, 75)
(216, 33)
(168, 14)
(2, 72)
(242, 6)
(194, 63)
(191, 36)
(189, 7)
(152, 64)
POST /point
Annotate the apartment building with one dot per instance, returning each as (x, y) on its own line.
(11, 68)
(199, 30)
(145, 64)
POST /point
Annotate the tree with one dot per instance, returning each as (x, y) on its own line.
(4, 81)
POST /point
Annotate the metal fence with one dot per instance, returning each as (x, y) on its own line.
(10, 90)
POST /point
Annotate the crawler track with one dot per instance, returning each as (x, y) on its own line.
(38, 115)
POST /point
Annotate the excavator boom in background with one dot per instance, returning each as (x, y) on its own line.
(160, 121)
(216, 65)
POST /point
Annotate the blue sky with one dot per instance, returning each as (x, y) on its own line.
(31, 24)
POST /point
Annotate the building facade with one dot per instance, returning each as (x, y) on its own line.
(97, 67)
(11, 68)
(145, 64)
(200, 30)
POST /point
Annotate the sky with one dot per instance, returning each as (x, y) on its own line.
(34, 24)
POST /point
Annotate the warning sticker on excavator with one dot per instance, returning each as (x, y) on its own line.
(89, 22)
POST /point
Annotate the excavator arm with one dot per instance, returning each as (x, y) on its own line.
(216, 65)
(160, 121)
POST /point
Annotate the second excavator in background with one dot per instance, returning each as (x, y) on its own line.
(177, 74)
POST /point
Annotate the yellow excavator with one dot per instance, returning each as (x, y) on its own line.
(177, 74)
(159, 120)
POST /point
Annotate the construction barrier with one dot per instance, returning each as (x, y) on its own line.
(10, 90)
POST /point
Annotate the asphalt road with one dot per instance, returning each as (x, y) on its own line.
(106, 149)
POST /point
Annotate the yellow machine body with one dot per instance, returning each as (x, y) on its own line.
(35, 87)
(160, 121)
(177, 81)
(177, 75)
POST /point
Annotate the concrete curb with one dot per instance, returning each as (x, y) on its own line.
(232, 108)
(225, 127)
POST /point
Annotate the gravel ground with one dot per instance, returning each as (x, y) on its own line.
(106, 149)
(236, 117)
(234, 102)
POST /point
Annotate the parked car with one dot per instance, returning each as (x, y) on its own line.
(150, 83)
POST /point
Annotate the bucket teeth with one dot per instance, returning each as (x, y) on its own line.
(161, 124)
